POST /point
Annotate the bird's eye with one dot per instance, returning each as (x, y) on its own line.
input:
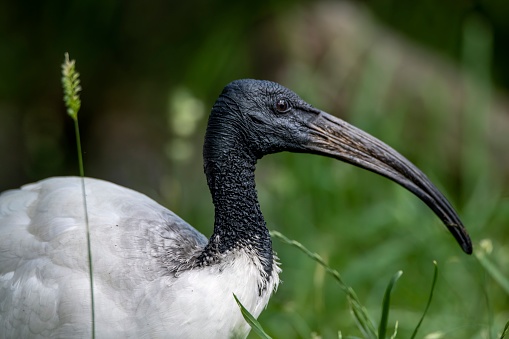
(282, 106)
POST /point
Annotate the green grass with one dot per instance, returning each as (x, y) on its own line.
(358, 312)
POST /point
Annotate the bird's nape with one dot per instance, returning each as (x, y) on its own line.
(335, 138)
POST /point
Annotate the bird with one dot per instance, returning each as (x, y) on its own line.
(155, 276)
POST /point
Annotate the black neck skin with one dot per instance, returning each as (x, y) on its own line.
(239, 224)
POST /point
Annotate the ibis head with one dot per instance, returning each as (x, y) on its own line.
(255, 118)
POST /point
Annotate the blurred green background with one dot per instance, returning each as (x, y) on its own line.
(430, 78)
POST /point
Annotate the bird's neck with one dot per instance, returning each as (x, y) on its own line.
(238, 222)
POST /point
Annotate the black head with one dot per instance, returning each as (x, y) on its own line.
(259, 116)
(252, 118)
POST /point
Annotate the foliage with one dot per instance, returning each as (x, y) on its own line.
(359, 313)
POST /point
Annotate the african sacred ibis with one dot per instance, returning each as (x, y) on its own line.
(155, 275)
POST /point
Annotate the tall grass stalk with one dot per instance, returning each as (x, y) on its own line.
(72, 88)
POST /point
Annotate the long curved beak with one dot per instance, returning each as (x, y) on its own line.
(335, 138)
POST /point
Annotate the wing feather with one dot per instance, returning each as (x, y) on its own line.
(44, 286)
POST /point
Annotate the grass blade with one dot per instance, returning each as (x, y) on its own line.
(435, 275)
(72, 88)
(255, 325)
(382, 329)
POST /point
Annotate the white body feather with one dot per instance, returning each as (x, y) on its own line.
(44, 276)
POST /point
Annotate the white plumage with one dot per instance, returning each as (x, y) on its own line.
(44, 286)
